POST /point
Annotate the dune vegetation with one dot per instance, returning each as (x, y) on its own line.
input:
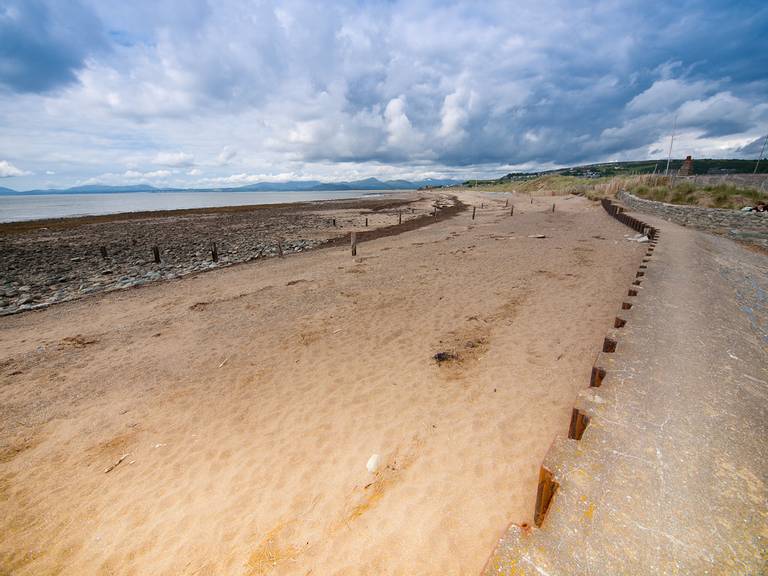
(653, 187)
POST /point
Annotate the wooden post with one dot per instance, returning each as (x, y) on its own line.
(506, 203)
(334, 222)
(434, 212)
(596, 379)
(482, 205)
(280, 248)
(399, 217)
(512, 210)
(214, 252)
(531, 199)
(579, 422)
(103, 251)
(473, 212)
(547, 489)
(353, 241)
(156, 254)
(366, 222)
(553, 207)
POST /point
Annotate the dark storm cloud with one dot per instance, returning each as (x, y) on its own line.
(44, 43)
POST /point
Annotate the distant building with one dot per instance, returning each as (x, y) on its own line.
(687, 168)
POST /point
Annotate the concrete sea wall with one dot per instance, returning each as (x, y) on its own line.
(710, 219)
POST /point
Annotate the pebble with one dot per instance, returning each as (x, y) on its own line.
(41, 269)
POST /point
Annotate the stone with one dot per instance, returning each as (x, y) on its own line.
(373, 463)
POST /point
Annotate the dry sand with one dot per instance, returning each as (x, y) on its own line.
(247, 401)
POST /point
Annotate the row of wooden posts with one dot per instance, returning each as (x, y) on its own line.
(506, 205)
(353, 235)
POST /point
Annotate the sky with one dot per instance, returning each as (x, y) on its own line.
(215, 93)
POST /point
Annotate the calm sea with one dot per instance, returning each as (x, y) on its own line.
(17, 208)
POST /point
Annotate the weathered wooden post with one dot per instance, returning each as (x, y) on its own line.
(280, 248)
(214, 252)
(353, 242)
(366, 222)
(553, 207)
(334, 222)
(473, 212)
(399, 217)
(547, 488)
(156, 254)
(103, 251)
(506, 203)
(512, 210)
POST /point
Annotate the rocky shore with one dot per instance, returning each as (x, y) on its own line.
(48, 262)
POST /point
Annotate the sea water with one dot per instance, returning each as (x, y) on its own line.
(20, 207)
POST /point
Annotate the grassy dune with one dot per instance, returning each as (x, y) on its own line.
(659, 188)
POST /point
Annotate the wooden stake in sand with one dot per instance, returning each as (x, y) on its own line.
(512, 210)
(399, 217)
(214, 252)
(366, 222)
(156, 254)
(334, 222)
(280, 248)
(353, 241)
(473, 212)
(103, 251)
(506, 203)
(553, 207)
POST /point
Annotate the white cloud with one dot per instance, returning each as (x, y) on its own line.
(175, 159)
(400, 131)
(7, 170)
(454, 116)
(347, 90)
(668, 93)
(226, 155)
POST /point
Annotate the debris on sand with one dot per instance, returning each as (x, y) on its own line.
(445, 357)
(116, 464)
(78, 341)
(537, 236)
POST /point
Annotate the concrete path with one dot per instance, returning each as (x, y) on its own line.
(670, 474)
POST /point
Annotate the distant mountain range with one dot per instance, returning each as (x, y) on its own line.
(302, 186)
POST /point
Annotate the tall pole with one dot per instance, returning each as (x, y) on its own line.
(762, 151)
(671, 141)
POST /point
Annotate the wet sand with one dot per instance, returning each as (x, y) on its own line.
(239, 407)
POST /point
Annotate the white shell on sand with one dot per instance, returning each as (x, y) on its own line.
(373, 463)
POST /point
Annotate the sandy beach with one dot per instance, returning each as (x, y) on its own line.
(221, 423)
